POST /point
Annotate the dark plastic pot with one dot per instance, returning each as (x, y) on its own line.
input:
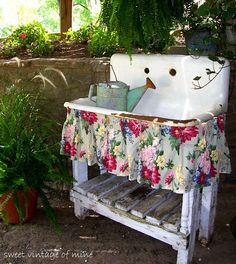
(198, 42)
(29, 206)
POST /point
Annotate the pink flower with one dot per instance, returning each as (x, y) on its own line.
(67, 147)
(82, 153)
(169, 177)
(205, 162)
(147, 155)
(220, 123)
(22, 35)
(184, 133)
(110, 162)
(104, 149)
(73, 150)
(69, 133)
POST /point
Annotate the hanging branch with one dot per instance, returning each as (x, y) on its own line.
(209, 72)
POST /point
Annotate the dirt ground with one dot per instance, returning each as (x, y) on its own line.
(100, 240)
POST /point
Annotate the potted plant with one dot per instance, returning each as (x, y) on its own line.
(28, 162)
(204, 26)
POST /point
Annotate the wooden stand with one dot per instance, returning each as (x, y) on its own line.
(167, 216)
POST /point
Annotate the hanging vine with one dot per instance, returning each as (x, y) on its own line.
(141, 23)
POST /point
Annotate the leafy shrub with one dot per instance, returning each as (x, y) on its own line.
(103, 43)
(32, 37)
(82, 35)
(28, 151)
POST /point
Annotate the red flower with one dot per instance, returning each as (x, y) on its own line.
(110, 162)
(135, 127)
(212, 170)
(169, 178)
(84, 115)
(155, 178)
(22, 35)
(202, 178)
(73, 151)
(220, 123)
(89, 116)
(184, 133)
(124, 166)
(146, 173)
(67, 147)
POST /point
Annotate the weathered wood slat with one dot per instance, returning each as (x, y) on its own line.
(84, 187)
(106, 187)
(120, 192)
(156, 216)
(132, 199)
(172, 222)
(150, 203)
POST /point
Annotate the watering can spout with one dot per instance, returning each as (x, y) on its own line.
(150, 84)
(134, 95)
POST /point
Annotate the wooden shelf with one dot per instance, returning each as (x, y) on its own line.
(157, 208)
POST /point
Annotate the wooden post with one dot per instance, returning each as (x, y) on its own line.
(65, 16)
(208, 212)
(80, 174)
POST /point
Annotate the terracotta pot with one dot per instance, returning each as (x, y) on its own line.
(29, 207)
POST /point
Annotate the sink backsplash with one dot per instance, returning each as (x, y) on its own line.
(175, 95)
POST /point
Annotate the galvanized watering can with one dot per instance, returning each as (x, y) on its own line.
(116, 94)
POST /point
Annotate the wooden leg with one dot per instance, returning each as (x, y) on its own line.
(80, 174)
(208, 212)
(189, 224)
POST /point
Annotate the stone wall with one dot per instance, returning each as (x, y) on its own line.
(58, 80)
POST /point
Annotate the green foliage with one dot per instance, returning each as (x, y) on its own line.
(82, 35)
(103, 43)
(141, 24)
(32, 37)
(81, 13)
(49, 15)
(28, 151)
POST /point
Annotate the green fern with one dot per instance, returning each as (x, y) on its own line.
(140, 23)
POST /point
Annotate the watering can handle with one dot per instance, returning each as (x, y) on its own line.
(91, 92)
(106, 72)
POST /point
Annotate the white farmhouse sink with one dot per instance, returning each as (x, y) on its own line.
(174, 96)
